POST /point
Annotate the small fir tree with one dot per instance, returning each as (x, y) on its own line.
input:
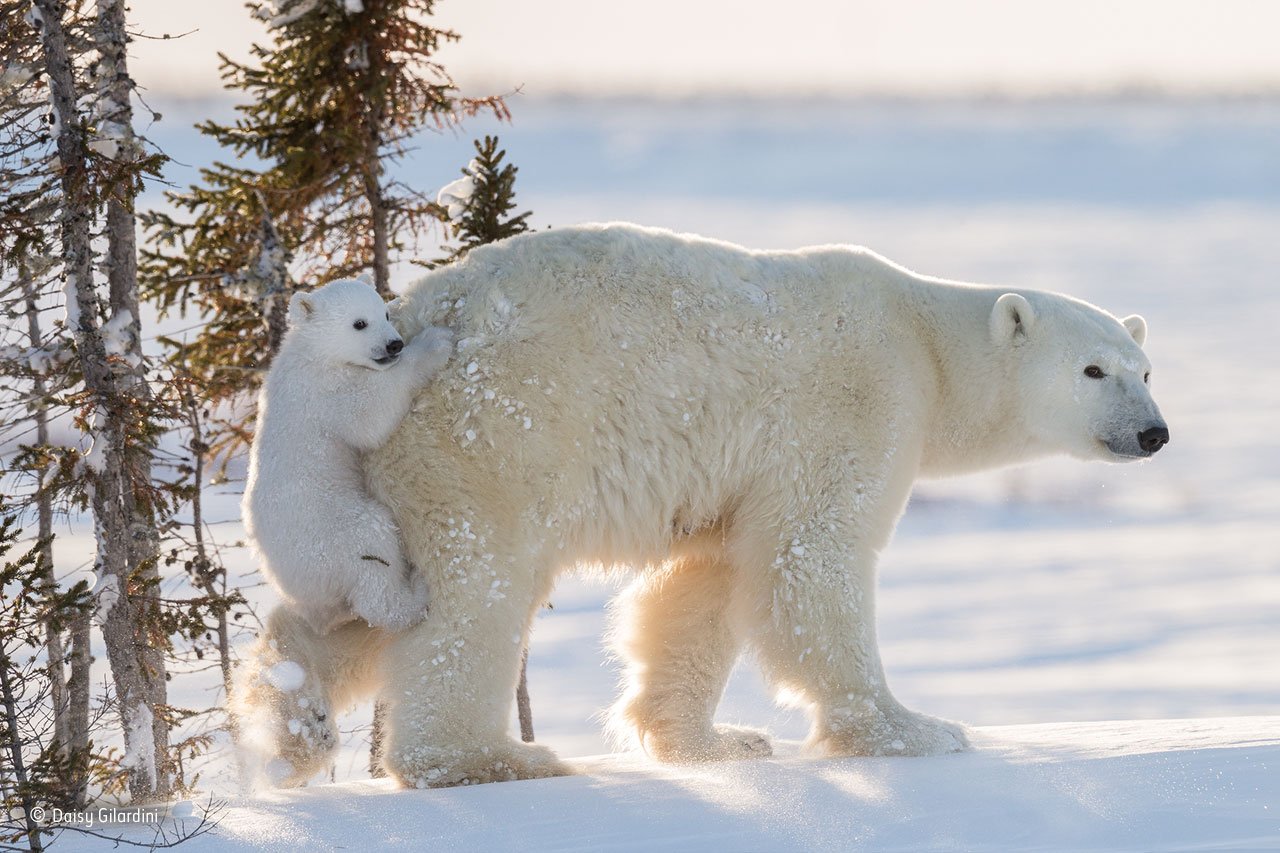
(331, 103)
(477, 205)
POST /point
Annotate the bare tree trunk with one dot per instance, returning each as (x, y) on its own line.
(14, 744)
(523, 708)
(115, 124)
(114, 137)
(210, 577)
(137, 666)
(372, 167)
(378, 214)
(44, 526)
(272, 273)
(78, 690)
(378, 740)
(70, 702)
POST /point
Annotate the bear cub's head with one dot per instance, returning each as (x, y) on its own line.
(345, 322)
(1084, 381)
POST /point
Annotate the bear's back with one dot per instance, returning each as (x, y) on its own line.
(616, 278)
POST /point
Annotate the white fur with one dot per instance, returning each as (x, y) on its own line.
(742, 427)
(332, 394)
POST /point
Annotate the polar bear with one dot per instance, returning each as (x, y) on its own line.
(341, 382)
(742, 430)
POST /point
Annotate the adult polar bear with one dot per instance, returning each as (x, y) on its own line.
(744, 428)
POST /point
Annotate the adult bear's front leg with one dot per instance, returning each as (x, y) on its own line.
(813, 612)
(451, 679)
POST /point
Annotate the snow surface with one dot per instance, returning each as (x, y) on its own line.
(286, 676)
(1052, 594)
(1153, 786)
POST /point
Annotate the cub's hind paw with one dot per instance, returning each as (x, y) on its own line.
(386, 599)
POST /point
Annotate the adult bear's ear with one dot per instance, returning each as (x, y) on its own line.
(1011, 317)
(1137, 327)
(302, 307)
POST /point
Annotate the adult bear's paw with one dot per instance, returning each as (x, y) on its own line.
(876, 731)
(427, 767)
(722, 743)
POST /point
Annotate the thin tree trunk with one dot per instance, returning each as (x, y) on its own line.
(523, 708)
(114, 114)
(378, 740)
(377, 215)
(272, 267)
(137, 667)
(54, 650)
(207, 574)
(206, 570)
(78, 694)
(15, 751)
(115, 119)
(70, 720)
(372, 167)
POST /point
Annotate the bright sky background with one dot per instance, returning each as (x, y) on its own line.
(675, 47)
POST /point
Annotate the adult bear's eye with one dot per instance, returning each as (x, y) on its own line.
(1094, 372)
(359, 325)
(1146, 377)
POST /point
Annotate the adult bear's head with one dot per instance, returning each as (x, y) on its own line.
(1084, 381)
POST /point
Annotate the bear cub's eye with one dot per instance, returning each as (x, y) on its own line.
(1094, 372)
(1146, 377)
(359, 325)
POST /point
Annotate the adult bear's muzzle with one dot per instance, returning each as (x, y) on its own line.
(1153, 438)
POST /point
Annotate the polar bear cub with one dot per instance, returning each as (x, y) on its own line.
(341, 382)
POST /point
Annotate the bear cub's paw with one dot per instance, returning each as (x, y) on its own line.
(391, 597)
(288, 730)
(431, 349)
(305, 743)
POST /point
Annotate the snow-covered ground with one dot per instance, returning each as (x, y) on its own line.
(1056, 594)
(1170, 785)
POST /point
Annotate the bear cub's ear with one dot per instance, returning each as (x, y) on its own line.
(1011, 317)
(1137, 327)
(302, 307)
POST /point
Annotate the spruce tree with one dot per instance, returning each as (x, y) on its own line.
(477, 205)
(329, 106)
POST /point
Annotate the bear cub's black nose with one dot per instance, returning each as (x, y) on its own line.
(394, 347)
(1151, 440)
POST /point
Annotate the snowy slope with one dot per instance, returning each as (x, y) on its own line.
(1155, 786)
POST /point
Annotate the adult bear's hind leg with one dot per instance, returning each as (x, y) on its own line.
(673, 630)
(451, 679)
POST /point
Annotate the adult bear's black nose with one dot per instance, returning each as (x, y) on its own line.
(1153, 438)
(394, 347)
